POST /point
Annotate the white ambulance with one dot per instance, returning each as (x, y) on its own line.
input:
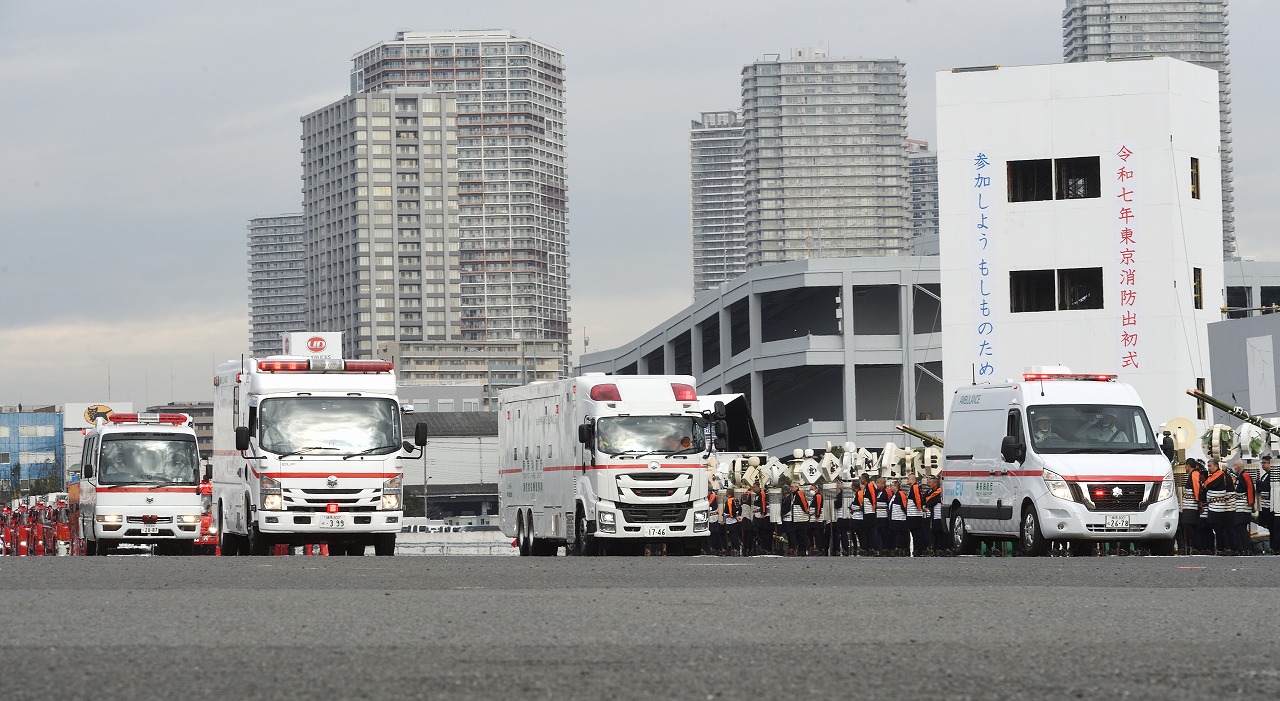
(1057, 457)
(306, 450)
(140, 484)
(603, 464)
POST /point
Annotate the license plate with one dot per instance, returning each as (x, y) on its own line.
(1117, 522)
(655, 531)
(150, 530)
(333, 523)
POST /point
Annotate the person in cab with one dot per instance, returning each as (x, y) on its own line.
(1105, 430)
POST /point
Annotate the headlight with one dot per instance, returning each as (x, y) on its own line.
(272, 496)
(1056, 485)
(606, 518)
(1166, 488)
(189, 518)
(109, 518)
(701, 516)
(392, 490)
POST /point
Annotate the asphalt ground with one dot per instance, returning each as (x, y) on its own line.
(639, 628)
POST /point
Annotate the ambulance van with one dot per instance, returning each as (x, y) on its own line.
(1057, 457)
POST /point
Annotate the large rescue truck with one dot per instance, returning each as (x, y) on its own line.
(305, 450)
(1057, 457)
(139, 484)
(599, 463)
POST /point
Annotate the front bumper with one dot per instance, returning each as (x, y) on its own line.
(337, 525)
(1061, 519)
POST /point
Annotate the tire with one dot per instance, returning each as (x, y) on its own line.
(583, 544)
(185, 548)
(1161, 548)
(384, 545)
(103, 549)
(228, 544)
(1032, 540)
(522, 539)
(963, 542)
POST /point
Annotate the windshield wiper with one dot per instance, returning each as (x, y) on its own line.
(172, 484)
(308, 449)
(638, 453)
(368, 451)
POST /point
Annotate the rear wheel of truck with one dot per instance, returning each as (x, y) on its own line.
(522, 542)
(90, 547)
(961, 540)
(384, 544)
(228, 543)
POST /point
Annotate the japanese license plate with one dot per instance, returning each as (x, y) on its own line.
(1117, 522)
(150, 530)
(655, 531)
(333, 522)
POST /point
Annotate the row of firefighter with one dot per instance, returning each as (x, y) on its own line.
(38, 526)
(832, 472)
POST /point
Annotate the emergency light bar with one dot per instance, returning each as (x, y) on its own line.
(324, 365)
(175, 419)
(1033, 376)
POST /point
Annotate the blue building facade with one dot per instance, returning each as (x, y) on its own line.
(30, 440)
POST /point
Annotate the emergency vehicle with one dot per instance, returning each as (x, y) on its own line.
(306, 450)
(1057, 456)
(599, 462)
(139, 476)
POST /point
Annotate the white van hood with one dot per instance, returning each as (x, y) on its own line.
(1107, 468)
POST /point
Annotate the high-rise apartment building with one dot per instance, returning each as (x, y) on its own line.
(277, 281)
(512, 217)
(380, 203)
(922, 178)
(1195, 32)
(824, 157)
(719, 205)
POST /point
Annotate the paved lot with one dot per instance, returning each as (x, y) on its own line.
(651, 628)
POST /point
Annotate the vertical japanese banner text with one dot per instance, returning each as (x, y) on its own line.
(982, 195)
(1126, 191)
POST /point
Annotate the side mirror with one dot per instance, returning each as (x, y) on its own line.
(719, 409)
(406, 447)
(420, 434)
(722, 428)
(1166, 446)
(242, 438)
(585, 433)
(208, 472)
(195, 473)
(721, 444)
(1012, 449)
(88, 471)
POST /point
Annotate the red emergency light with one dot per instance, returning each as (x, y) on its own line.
(174, 419)
(1087, 377)
(605, 393)
(684, 393)
(331, 508)
(323, 365)
(367, 365)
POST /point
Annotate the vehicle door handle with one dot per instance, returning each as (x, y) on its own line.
(991, 473)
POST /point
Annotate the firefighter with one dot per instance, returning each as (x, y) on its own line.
(764, 528)
(1266, 517)
(1218, 487)
(817, 527)
(869, 497)
(896, 506)
(841, 544)
(938, 536)
(882, 517)
(732, 525)
(714, 525)
(1191, 539)
(1243, 544)
(916, 526)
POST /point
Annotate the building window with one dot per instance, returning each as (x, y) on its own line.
(1195, 179)
(1030, 181)
(1078, 178)
(1238, 302)
(1269, 299)
(1080, 288)
(1197, 289)
(1031, 291)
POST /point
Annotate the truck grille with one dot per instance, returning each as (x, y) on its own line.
(318, 499)
(653, 492)
(654, 513)
(148, 519)
(1114, 496)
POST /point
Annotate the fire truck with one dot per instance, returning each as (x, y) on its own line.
(602, 464)
(306, 450)
(139, 485)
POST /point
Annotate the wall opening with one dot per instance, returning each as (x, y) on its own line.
(739, 326)
(875, 310)
(1080, 288)
(710, 330)
(793, 396)
(1238, 302)
(1078, 178)
(928, 390)
(1030, 181)
(1031, 291)
(654, 362)
(926, 309)
(879, 392)
(741, 385)
(1269, 299)
(1195, 178)
(1197, 288)
(799, 312)
(682, 354)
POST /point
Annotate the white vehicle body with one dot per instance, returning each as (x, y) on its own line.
(626, 484)
(140, 483)
(1070, 483)
(316, 458)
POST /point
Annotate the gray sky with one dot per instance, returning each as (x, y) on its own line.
(139, 138)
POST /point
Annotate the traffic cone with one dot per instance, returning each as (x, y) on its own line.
(324, 548)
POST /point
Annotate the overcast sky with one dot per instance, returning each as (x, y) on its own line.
(139, 138)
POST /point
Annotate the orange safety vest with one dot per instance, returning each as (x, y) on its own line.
(915, 496)
(728, 508)
(1248, 481)
(803, 502)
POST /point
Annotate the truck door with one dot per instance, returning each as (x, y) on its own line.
(1008, 481)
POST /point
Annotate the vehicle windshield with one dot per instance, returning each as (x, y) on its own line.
(1090, 428)
(616, 435)
(129, 459)
(341, 424)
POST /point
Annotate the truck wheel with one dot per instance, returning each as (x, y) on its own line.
(583, 544)
(103, 549)
(91, 547)
(186, 547)
(227, 543)
(384, 545)
(1033, 542)
(522, 541)
(1161, 547)
(964, 542)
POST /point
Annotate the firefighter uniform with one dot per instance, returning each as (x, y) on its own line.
(897, 521)
(1192, 504)
(1243, 544)
(1266, 517)
(764, 527)
(714, 525)
(733, 525)
(857, 539)
(817, 527)
(916, 525)
(1219, 489)
(938, 536)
